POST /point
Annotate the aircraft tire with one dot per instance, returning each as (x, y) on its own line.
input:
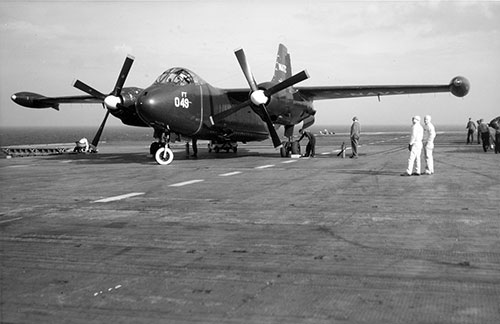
(295, 147)
(161, 158)
(284, 150)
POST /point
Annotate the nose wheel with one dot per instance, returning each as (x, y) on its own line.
(161, 149)
(164, 155)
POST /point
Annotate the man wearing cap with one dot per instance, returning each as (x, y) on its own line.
(355, 132)
(415, 147)
(485, 134)
(471, 129)
(310, 147)
(429, 135)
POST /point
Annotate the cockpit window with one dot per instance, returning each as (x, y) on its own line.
(179, 76)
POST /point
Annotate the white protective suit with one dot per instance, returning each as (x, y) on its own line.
(417, 134)
(83, 145)
(429, 135)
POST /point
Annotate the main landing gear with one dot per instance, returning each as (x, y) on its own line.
(164, 155)
(290, 147)
(224, 145)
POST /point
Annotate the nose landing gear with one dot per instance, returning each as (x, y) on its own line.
(161, 149)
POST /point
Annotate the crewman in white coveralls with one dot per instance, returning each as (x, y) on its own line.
(415, 147)
(82, 146)
(429, 135)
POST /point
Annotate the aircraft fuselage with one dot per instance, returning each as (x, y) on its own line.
(187, 109)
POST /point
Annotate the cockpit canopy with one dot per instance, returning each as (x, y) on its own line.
(179, 76)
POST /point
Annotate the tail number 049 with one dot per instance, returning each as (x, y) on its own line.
(183, 101)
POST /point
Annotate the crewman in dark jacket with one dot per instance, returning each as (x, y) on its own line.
(310, 147)
(355, 132)
(485, 134)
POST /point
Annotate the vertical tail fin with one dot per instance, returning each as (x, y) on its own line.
(283, 67)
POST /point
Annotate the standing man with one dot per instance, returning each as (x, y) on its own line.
(471, 129)
(311, 145)
(496, 125)
(415, 147)
(478, 132)
(429, 135)
(355, 132)
(484, 130)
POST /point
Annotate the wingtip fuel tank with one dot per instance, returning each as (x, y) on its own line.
(459, 86)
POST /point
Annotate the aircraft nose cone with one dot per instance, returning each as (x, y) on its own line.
(148, 106)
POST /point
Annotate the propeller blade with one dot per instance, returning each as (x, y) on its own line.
(299, 77)
(270, 126)
(97, 136)
(88, 89)
(123, 75)
(245, 67)
(220, 116)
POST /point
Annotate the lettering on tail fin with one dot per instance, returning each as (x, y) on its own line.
(283, 68)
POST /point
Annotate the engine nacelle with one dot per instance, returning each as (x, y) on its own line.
(126, 110)
(459, 86)
(129, 97)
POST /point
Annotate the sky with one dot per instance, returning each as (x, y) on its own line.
(45, 45)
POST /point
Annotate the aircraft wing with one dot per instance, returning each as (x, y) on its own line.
(459, 86)
(34, 100)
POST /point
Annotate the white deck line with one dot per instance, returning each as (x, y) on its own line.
(185, 183)
(115, 198)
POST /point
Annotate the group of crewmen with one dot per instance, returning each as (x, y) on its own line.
(355, 133)
(421, 137)
(483, 133)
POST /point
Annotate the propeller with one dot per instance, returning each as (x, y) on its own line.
(260, 98)
(97, 136)
(113, 100)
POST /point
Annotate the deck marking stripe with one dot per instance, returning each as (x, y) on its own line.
(10, 220)
(229, 174)
(185, 183)
(290, 161)
(132, 194)
(265, 166)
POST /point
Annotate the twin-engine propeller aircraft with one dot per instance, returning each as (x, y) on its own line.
(179, 102)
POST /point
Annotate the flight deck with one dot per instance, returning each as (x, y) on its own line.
(250, 237)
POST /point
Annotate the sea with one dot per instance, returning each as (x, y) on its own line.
(16, 136)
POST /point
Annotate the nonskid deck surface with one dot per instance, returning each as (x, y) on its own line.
(251, 237)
